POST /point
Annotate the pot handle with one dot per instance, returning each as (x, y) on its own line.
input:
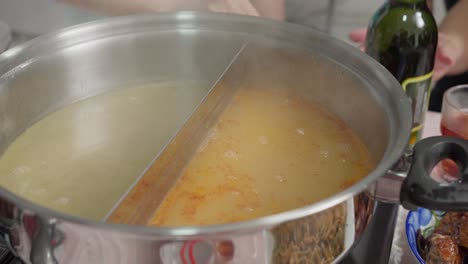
(420, 190)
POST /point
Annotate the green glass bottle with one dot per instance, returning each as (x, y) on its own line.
(402, 36)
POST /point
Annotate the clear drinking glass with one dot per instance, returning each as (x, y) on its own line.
(455, 112)
(454, 123)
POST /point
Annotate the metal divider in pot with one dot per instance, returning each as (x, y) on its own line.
(138, 205)
(150, 189)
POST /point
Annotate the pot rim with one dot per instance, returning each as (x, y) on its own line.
(397, 143)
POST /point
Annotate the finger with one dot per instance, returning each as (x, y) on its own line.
(243, 7)
(445, 57)
(218, 7)
(362, 48)
(358, 35)
(442, 65)
(233, 7)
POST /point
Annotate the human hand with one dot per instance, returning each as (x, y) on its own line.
(449, 51)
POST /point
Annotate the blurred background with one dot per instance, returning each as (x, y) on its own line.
(23, 19)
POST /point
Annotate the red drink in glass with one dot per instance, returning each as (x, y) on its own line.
(455, 125)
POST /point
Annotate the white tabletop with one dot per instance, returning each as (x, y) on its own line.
(432, 124)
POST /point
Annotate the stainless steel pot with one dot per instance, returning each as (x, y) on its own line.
(60, 68)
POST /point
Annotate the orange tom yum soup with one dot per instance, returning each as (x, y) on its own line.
(268, 153)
